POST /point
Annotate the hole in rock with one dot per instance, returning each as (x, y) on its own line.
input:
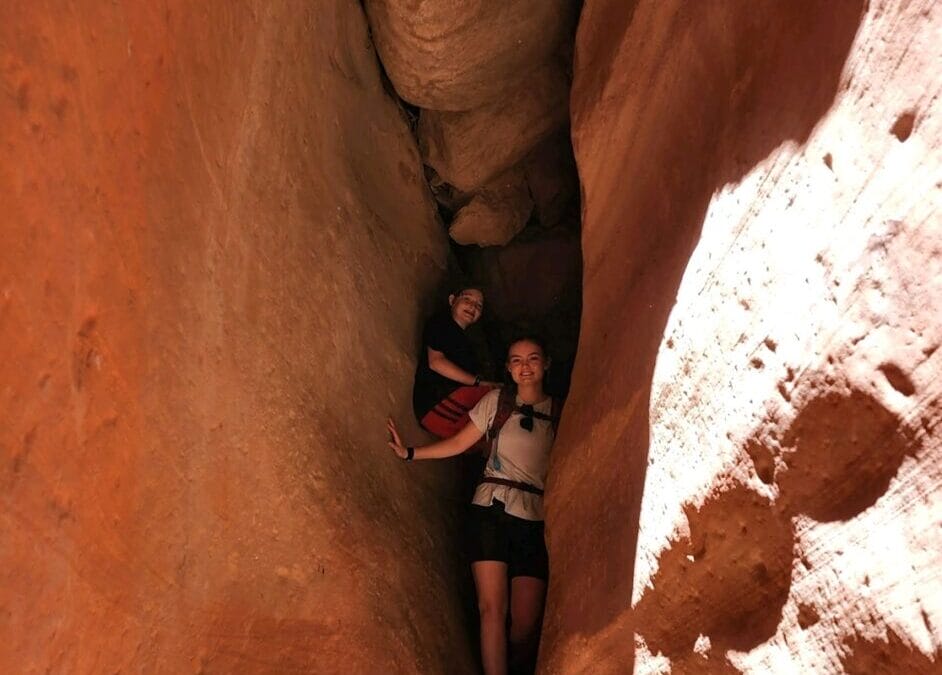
(763, 460)
(728, 579)
(898, 379)
(807, 616)
(903, 126)
(842, 450)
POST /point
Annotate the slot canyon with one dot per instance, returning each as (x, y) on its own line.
(225, 223)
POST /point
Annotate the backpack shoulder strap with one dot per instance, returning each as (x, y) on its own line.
(505, 408)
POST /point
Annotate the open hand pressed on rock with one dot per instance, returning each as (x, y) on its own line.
(396, 442)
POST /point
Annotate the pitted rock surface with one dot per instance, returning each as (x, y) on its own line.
(747, 474)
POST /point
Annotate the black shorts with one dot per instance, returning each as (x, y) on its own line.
(496, 535)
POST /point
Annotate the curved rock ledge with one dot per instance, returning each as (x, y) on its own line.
(460, 54)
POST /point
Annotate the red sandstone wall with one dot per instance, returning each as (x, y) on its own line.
(748, 474)
(213, 225)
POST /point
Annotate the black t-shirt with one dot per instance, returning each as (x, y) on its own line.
(443, 335)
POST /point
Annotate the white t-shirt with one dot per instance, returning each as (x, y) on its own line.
(519, 455)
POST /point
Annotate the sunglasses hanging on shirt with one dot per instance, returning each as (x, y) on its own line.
(527, 420)
(528, 413)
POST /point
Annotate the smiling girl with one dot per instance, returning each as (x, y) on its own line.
(506, 524)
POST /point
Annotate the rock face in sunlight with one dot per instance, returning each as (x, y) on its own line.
(212, 240)
(748, 473)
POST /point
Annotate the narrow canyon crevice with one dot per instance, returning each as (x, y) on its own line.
(486, 95)
(225, 225)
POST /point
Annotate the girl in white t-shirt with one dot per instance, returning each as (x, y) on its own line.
(507, 510)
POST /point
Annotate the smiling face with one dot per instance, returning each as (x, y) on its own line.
(526, 362)
(466, 306)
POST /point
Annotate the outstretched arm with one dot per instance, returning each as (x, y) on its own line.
(447, 447)
(441, 364)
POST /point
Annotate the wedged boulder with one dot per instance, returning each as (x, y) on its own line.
(552, 178)
(468, 149)
(459, 55)
(496, 214)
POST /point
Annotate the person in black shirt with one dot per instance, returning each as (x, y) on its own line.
(447, 384)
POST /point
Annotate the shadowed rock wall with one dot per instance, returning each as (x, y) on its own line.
(215, 228)
(747, 475)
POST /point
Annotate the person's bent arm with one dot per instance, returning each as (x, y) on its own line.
(441, 364)
(447, 447)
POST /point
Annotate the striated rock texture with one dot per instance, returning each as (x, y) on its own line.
(747, 477)
(492, 80)
(468, 149)
(461, 54)
(214, 223)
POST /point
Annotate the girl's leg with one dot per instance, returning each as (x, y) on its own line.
(490, 580)
(526, 613)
